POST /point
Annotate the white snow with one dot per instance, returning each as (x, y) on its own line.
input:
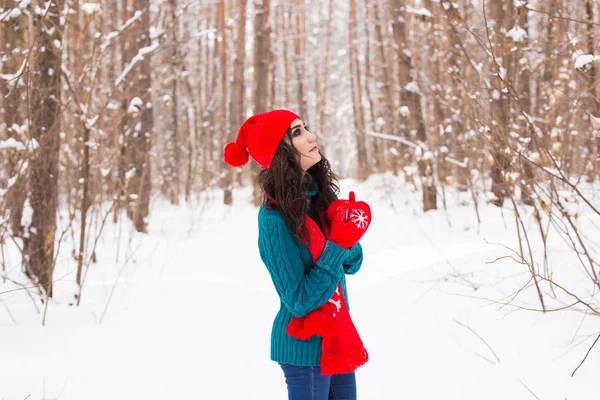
(134, 105)
(517, 34)
(186, 311)
(582, 60)
(413, 87)
(11, 13)
(90, 122)
(90, 8)
(11, 143)
(204, 32)
(419, 11)
(138, 57)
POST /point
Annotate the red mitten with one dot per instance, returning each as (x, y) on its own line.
(349, 221)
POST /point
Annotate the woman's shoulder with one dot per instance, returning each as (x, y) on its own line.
(271, 221)
(269, 214)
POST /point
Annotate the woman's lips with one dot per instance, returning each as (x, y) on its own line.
(316, 148)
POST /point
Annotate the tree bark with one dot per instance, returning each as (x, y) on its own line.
(238, 89)
(359, 119)
(324, 70)
(410, 94)
(12, 97)
(45, 127)
(300, 58)
(139, 140)
(262, 48)
(501, 161)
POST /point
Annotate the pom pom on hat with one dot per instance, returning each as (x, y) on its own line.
(235, 155)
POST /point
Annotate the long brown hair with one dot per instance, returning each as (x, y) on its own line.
(285, 185)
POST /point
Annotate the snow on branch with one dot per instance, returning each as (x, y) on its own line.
(456, 162)
(90, 8)
(517, 34)
(10, 77)
(139, 57)
(10, 14)
(11, 143)
(585, 59)
(204, 32)
(391, 137)
(110, 36)
(420, 11)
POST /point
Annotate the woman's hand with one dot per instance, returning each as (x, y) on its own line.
(349, 221)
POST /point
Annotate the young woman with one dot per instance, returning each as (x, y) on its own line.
(308, 240)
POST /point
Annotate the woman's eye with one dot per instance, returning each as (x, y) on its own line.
(297, 132)
(306, 128)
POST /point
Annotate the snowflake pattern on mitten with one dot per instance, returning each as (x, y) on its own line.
(359, 218)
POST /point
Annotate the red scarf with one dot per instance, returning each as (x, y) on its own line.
(342, 350)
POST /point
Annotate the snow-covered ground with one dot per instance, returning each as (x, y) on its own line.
(186, 311)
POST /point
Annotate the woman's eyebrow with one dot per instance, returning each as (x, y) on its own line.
(297, 126)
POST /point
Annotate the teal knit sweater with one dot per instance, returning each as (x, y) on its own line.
(301, 286)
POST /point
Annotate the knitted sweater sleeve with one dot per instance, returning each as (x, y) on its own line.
(301, 292)
(354, 259)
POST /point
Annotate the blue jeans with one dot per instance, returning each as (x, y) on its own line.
(307, 383)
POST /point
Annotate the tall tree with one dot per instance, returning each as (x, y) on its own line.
(238, 88)
(300, 56)
(324, 69)
(383, 77)
(500, 100)
(356, 86)
(262, 49)
(45, 128)
(411, 96)
(12, 46)
(173, 181)
(141, 123)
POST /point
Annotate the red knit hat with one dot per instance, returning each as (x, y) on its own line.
(259, 137)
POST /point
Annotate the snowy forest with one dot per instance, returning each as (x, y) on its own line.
(476, 122)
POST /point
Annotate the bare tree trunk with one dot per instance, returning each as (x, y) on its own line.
(324, 71)
(359, 119)
(140, 140)
(12, 93)
(236, 113)
(85, 177)
(262, 48)
(173, 181)
(456, 141)
(383, 81)
(437, 132)
(300, 58)
(223, 121)
(593, 103)
(126, 122)
(285, 32)
(499, 103)
(521, 78)
(211, 85)
(45, 127)
(371, 80)
(410, 93)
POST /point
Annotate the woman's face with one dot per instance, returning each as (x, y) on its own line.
(306, 144)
